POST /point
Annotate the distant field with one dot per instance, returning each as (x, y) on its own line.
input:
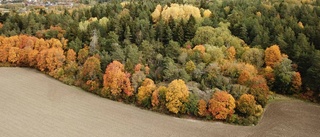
(33, 104)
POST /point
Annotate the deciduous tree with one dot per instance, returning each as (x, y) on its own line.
(145, 91)
(177, 96)
(221, 105)
(116, 81)
(202, 108)
(246, 104)
(272, 55)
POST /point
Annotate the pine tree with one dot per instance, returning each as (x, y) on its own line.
(190, 29)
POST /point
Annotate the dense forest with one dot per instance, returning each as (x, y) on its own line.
(217, 59)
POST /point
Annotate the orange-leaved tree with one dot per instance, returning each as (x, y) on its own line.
(202, 108)
(272, 55)
(55, 58)
(296, 82)
(32, 57)
(231, 53)
(4, 50)
(145, 91)
(176, 96)
(13, 55)
(71, 56)
(221, 105)
(116, 81)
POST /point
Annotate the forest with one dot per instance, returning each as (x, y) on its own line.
(213, 60)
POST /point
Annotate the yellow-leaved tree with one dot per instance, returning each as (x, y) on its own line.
(246, 104)
(145, 91)
(175, 11)
(176, 96)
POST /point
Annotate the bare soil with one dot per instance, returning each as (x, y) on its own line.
(33, 104)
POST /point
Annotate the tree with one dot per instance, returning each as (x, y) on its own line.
(177, 96)
(54, 58)
(137, 78)
(268, 73)
(253, 56)
(190, 28)
(41, 60)
(203, 35)
(283, 76)
(245, 77)
(179, 33)
(117, 53)
(4, 50)
(83, 55)
(145, 92)
(272, 55)
(116, 82)
(159, 97)
(295, 85)
(259, 89)
(175, 11)
(202, 108)
(171, 70)
(13, 55)
(32, 56)
(155, 98)
(133, 57)
(231, 53)
(221, 105)
(246, 104)
(71, 56)
(314, 71)
(190, 66)
(91, 69)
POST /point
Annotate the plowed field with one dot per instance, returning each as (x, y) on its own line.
(33, 104)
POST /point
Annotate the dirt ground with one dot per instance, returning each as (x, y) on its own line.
(33, 104)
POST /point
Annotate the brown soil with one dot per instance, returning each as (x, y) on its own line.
(33, 104)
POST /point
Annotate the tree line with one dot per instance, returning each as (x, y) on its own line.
(209, 59)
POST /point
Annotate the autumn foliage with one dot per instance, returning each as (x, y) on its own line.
(172, 58)
(22, 50)
(202, 108)
(272, 55)
(116, 81)
(177, 96)
(221, 105)
(158, 99)
(145, 92)
(296, 82)
(175, 11)
(246, 104)
(90, 73)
